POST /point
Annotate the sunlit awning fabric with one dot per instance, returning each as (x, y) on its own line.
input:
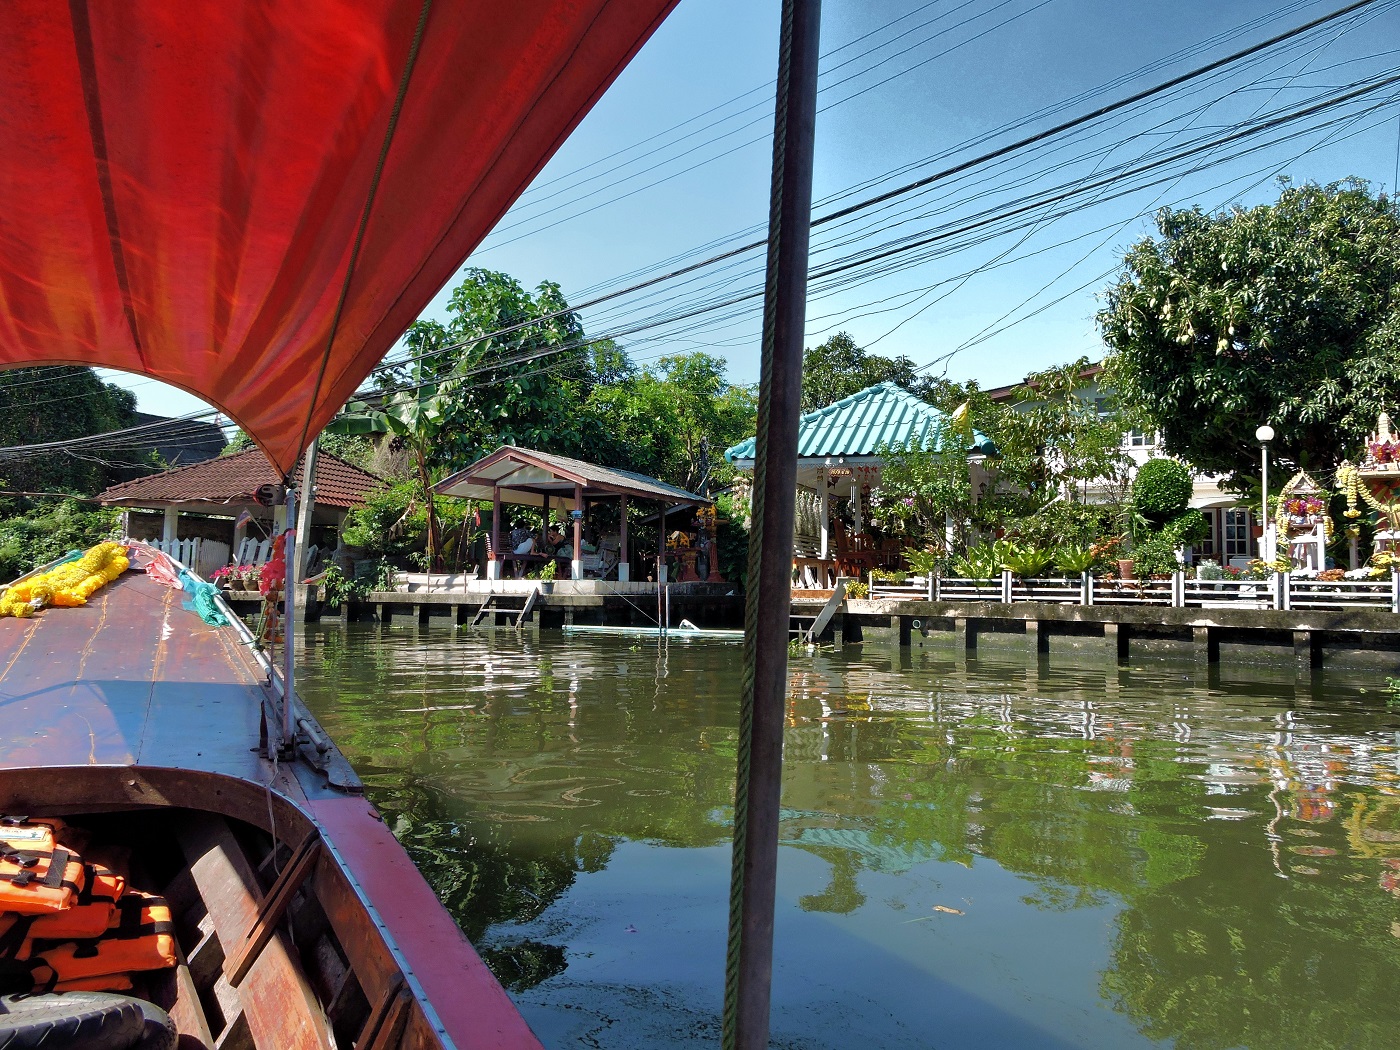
(181, 184)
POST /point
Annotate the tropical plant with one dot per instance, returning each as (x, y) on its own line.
(1283, 313)
(548, 570)
(889, 575)
(857, 589)
(983, 561)
(923, 562)
(1155, 556)
(1026, 561)
(1072, 559)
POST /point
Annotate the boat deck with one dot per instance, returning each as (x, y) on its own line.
(132, 700)
(132, 678)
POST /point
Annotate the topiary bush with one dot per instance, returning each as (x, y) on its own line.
(1161, 489)
(1187, 528)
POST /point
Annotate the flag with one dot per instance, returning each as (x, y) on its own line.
(961, 420)
(243, 518)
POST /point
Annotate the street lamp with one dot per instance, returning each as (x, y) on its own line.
(1264, 435)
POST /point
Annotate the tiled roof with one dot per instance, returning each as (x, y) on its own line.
(882, 415)
(232, 479)
(544, 471)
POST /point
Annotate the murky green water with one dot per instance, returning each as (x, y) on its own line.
(975, 854)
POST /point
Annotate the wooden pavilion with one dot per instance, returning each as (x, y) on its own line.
(528, 478)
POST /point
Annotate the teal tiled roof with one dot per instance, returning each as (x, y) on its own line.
(882, 415)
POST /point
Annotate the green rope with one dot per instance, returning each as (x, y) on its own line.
(751, 602)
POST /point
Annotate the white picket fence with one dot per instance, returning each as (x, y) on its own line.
(201, 555)
(1279, 591)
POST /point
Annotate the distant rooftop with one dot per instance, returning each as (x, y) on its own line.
(228, 482)
(884, 415)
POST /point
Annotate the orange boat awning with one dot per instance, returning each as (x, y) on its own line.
(182, 185)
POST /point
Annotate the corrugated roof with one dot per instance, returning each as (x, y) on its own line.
(232, 479)
(523, 470)
(884, 415)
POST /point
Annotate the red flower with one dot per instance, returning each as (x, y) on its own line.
(274, 573)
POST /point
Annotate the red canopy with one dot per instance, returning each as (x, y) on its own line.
(181, 184)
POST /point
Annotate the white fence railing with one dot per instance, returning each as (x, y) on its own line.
(201, 555)
(1279, 591)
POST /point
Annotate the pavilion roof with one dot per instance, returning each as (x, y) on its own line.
(881, 416)
(230, 481)
(525, 476)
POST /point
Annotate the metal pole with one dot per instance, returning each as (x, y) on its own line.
(1264, 510)
(308, 509)
(753, 880)
(289, 621)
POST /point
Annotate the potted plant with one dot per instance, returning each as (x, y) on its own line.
(221, 577)
(546, 576)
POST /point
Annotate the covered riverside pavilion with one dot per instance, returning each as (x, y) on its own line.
(540, 479)
(839, 460)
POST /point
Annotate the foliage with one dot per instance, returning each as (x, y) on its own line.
(548, 570)
(58, 403)
(1072, 559)
(1055, 439)
(1161, 489)
(982, 561)
(921, 489)
(1155, 556)
(857, 589)
(839, 368)
(389, 523)
(522, 387)
(924, 562)
(1281, 314)
(888, 575)
(672, 420)
(1025, 560)
(1187, 528)
(1209, 570)
(49, 532)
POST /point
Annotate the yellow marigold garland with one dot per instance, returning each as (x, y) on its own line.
(66, 585)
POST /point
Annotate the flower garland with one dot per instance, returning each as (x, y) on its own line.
(68, 584)
(1354, 485)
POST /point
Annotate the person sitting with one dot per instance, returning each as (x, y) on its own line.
(554, 539)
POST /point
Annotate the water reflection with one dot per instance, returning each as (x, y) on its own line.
(976, 852)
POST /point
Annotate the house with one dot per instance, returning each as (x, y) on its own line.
(838, 467)
(217, 500)
(1232, 522)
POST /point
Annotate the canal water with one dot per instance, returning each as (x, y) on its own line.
(977, 853)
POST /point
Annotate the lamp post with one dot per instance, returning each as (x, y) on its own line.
(1264, 435)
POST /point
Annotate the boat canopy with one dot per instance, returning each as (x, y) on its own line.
(253, 199)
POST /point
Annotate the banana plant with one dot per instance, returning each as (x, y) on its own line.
(416, 416)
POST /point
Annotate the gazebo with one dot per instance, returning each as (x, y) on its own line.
(528, 478)
(838, 456)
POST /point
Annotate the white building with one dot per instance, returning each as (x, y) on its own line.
(1232, 522)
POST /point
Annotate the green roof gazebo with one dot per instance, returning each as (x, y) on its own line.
(838, 452)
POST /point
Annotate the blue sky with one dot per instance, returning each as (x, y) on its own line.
(995, 308)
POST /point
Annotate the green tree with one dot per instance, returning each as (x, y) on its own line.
(56, 404)
(1283, 314)
(523, 387)
(839, 368)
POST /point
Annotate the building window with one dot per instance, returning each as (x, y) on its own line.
(1141, 439)
(1102, 408)
(1206, 547)
(1237, 543)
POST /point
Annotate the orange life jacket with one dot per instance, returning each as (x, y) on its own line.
(38, 882)
(139, 937)
(89, 917)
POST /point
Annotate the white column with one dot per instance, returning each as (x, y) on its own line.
(578, 532)
(171, 532)
(826, 515)
(855, 502)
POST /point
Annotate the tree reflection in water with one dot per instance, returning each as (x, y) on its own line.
(1243, 837)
